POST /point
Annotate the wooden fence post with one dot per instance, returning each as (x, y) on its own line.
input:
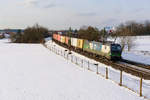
(76, 60)
(106, 73)
(141, 86)
(56, 51)
(71, 58)
(82, 63)
(97, 69)
(64, 54)
(120, 78)
(67, 56)
(88, 66)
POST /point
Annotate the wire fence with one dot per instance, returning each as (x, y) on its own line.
(131, 82)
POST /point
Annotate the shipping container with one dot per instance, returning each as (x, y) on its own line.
(62, 40)
(55, 36)
(86, 46)
(80, 43)
(68, 41)
(74, 42)
(106, 48)
(71, 41)
(97, 46)
(59, 37)
(91, 45)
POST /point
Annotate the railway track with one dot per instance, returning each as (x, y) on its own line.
(134, 68)
(146, 66)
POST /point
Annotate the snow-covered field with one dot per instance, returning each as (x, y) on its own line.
(141, 51)
(32, 72)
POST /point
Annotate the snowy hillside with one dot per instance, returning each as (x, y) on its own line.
(32, 72)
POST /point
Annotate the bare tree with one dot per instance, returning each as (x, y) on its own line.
(130, 42)
(125, 32)
(127, 42)
(122, 42)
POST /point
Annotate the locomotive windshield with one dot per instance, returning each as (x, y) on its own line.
(116, 47)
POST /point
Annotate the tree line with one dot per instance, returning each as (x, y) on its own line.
(89, 33)
(133, 28)
(34, 34)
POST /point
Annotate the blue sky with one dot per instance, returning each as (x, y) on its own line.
(62, 14)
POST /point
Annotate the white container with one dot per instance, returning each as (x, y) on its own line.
(74, 42)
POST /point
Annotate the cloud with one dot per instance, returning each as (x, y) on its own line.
(51, 5)
(31, 2)
(87, 14)
(138, 10)
(39, 4)
(118, 11)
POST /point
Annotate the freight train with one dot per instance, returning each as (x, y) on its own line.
(111, 51)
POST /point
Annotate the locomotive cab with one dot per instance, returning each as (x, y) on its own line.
(116, 52)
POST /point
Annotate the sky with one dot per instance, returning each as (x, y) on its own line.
(62, 14)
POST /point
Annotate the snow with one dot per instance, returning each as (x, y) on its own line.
(129, 81)
(47, 39)
(142, 43)
(140, 52)
(32, 72)
(136, 57)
